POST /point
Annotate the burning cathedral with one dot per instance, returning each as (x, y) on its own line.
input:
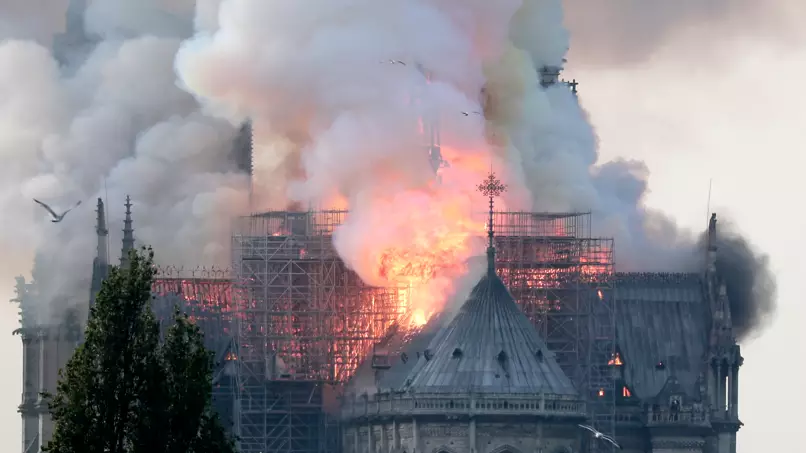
(311, 359)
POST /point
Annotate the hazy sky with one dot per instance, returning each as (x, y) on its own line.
(693, 107)
(741, 122)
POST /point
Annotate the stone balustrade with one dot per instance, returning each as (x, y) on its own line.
(381, 405)
(668, 417)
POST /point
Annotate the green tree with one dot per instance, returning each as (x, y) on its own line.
(123, 391)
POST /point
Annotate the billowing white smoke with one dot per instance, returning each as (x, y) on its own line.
(119, 125)
(333, 124)
(333, 121)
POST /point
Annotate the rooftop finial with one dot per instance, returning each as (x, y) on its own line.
(491, 187)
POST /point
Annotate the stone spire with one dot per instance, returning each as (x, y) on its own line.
(128, 235)
(491, 187)
(102, 232)
(100, 265)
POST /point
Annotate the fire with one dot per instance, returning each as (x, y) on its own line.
(417, 240)
(419, 317)
(429, 253)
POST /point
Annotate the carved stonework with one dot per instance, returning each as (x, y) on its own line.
(443, 449)
(405, 431)
(514, 430)
(444, 431)
(506, 449)
(678, 444)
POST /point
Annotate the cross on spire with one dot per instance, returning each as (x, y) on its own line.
(491, 187)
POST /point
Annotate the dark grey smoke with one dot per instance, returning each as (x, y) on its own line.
(631, 31)
(749, 280)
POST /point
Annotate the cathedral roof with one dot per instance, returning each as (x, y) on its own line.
(662, 330)
(489, 347)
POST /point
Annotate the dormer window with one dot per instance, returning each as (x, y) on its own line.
(457, 353)
(502, 360)
(615, 359)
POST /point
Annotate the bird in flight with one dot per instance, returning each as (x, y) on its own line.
(471, 113)
(56, 217)
(600, 436)
(394, 62)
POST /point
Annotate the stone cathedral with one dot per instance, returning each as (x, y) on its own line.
(486, 383)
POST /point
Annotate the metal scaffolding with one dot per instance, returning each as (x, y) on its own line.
(305, 320)
(205, 295)
(563, 280)
(302, 316)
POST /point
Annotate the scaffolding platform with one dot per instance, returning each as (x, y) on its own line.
(304, 317)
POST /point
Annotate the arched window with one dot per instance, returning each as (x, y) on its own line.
(506, 449)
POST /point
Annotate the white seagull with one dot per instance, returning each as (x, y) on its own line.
(394, 62)
(56, 217)
(469, 113)
(599, 435)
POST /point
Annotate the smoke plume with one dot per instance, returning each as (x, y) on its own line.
(343, 96)
(631, 31)
(335, 111)
(749, 281)
(114, 124)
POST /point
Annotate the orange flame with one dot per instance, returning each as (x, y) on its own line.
(426, 252)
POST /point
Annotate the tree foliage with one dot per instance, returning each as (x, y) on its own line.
(124, 390)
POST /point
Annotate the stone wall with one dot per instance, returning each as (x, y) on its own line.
(456, 437)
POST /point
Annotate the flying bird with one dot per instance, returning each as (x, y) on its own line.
(394, 62)
(471, 113)
(56, 217)
(600, 436)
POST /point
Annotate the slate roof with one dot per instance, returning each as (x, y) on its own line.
(489, 347)
(662, 318)
(402, 349)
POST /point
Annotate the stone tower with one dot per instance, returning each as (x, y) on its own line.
(100, 264)
(724, 358)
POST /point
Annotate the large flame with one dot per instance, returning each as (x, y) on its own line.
(421, 244)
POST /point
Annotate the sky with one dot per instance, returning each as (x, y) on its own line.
(737, 122)
(696, 107)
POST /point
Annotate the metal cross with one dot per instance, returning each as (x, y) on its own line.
(492, 187)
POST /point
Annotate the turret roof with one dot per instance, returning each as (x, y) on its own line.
(489, 347)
